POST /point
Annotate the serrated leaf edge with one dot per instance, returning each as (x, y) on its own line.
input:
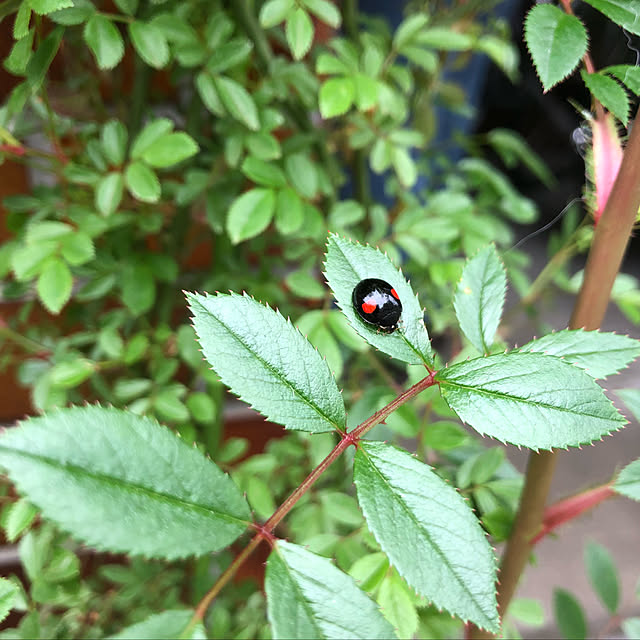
(361, 330)
(318, 410)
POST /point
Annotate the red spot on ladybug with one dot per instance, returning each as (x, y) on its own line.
(377, 303)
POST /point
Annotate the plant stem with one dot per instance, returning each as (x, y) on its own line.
(610, 241)
(26, 343)
(264, 532)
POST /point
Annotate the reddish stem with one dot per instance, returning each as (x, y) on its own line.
(569, 508)
(266, 531)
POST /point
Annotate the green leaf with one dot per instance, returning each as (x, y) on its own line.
(274, 12)
(408, 29)
(289, 211)
(347, 263)
(71, 373)
(263, 359)
(229, 55)
(169, 149)
(263, 173)
(529, 400)
(123, 483)
(324, 10)
(201, 407)
(556, 41)
(528, 611)
(443, 436)
(150, 43)
(625, 13)
(8, 595)
(299, 31)
(628, 75)
(138, 288)
(237, 101)
(308, 597)
(22, 19)
(346, 213)
(81, 11)
(569, 615)
(167, 625)
(479, 298)
(513, 148)
(302, 174)
(114, 141)
(142, 182)
(264, 146)
(16, 62)
(628, 481)
(444, 38)
(479, 468)
(104, 40)
(169, 405)
(608, 92)
(42, 58)
(209, 94)
(43, 7)
(366, 90)
(631, 397)
(404, 166)
(336, 97)
(250, 214)
(151, 133)
(398, 605)
(603, 575)
(599, 354)
(77, 248)
(54, 285)
(28, 261)
(21, 515)
(108, 194)
(413, 513)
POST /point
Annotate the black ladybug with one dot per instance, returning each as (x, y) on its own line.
(378, 304)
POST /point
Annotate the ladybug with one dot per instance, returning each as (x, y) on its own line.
(378, 304)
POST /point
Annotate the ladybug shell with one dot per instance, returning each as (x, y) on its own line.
(377, 304)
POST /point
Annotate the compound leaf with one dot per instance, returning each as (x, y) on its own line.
(123, 483)
(412, 512)
(263, 359)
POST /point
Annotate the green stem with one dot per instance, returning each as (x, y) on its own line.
(26, 343)
(265, 531)
(610, 241)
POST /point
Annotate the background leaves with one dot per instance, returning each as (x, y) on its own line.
(479, 298)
